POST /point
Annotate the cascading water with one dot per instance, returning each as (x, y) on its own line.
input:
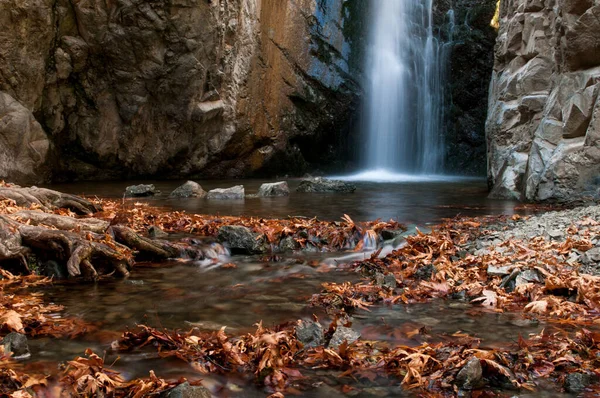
(405, 94)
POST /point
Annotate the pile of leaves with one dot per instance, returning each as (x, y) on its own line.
(306, 232)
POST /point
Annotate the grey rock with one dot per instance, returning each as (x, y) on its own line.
(470, 376)
(17, 344)
(342, 334)
(499, 271)
(288, 244)
(241, 240)
(190, 189)
(577, 382)
(528, 276)
(236, 192)
(425, 272)
(322, 185)
(156, 233)
(185, 390)
(274, 189)
(142, 190)
(310, 333)
(591, 257)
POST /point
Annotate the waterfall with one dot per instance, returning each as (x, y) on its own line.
(405, 90)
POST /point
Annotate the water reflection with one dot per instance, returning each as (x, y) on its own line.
(409, 202)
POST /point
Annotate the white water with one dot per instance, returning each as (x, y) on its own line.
(405, 93)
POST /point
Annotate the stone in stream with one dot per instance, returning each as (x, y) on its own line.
(577, 382)
(274, 189)
(241, 240)
(236, 192)
(288, 244)
(310, 333)
(343, 334)
(185, 390)
(142, 190)
(17, 344)
(470, 376)
(390, 234)
(320, 185)
(190, 189)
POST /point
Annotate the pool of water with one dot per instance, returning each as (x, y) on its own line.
(180, 295)
(417, 202)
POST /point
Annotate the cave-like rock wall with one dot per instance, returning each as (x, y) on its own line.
(543, 124)
(96, 89)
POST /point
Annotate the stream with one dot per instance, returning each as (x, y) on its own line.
(182, 295)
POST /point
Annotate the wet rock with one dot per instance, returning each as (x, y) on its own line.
(470, 376)
(156, 233)
(388, 281)
(190, 189)
(288, 244)
(185, 390)
(425, 272)
(310, 333)
(17, 344)
(320, 184)
(240, 240)
(390, 234)
(343, 334)
(274, 189)
(142, 190)
(577, 382)
(236, 192)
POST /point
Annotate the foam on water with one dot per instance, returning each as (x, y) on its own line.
(383, 175)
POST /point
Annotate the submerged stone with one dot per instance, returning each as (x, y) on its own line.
(321, 185)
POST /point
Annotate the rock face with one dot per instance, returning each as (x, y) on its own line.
(543, 124)
(172, 88)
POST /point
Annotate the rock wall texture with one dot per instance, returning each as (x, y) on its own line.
(465, 26)
(543, 127)
(96, 89)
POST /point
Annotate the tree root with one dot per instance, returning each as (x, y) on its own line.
(89, 247)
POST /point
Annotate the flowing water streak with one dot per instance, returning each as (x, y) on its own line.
(405, 89)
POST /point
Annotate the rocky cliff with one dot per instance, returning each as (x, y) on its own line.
(543, 124)
(94, 89)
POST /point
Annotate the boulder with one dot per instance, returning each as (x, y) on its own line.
(241, 240)
(274, 189)
(190, 189)
(17, 344)
(320, 184)
(139, 191)
(185, 390)
(236, 192)
(342, 334)
(310, 333)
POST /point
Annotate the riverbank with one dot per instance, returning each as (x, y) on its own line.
(540, 269)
